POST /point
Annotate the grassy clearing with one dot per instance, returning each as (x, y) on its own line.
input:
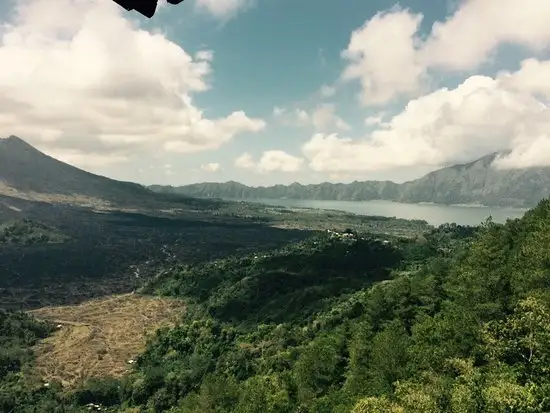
(98, 338)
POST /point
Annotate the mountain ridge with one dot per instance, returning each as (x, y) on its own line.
(474, 182)
(25, 169)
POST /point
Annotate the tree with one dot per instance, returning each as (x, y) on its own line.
(376, 405)
(522, 339)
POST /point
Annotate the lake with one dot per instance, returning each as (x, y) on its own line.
(432, 213)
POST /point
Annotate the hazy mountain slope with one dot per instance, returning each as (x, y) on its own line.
(479, 182)
(474, 182)
(356, 191)
(26, 169)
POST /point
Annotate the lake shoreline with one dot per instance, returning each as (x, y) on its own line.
(434, 214)
(472, 205)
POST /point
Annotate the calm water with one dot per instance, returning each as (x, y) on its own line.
(433, 214)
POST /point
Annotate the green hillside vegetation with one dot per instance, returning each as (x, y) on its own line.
(29, 232)
(457, 320)
(18, 332)
(477, 182)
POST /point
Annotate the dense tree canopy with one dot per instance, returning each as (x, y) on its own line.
(457, 321)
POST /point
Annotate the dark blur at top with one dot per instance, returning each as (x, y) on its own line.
(145, 7)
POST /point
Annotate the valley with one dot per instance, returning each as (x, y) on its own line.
(111, 252)
(164, 302)
(243, 206)
(116, 252)
(111, 237)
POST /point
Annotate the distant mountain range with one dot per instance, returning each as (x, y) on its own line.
(26, 172)
(477, 182)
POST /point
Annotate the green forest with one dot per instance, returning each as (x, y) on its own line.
(456, 320)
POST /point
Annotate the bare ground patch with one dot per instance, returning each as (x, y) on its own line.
(98, 338)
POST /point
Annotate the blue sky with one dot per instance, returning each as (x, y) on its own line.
(267, 92)
(279, 53)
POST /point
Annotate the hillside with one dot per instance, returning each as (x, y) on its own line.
(477, 182)
(454, 321)
(91, 236)
(464, 331)
(27, 172)
(365, 314)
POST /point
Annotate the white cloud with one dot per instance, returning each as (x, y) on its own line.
(534, 153)
(278, 111)
(211, 134)
(275, 160)
(533, 77)
(382, 55)
(211, 167)
(480, 116)
(322, 118)
(390, 60)
(478, 27)
(223, 9)
(88, 160)
(302, 115)
(327, 91)
(78, 78)
(207, 55)
(245, 161)
(377, 119)
(270, 161)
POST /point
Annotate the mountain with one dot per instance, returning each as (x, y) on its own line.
(25, 170)
(477, 182)
(480, 182)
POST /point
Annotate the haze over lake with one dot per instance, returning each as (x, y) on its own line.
(433, 214)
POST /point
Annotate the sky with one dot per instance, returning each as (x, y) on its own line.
(266, 92)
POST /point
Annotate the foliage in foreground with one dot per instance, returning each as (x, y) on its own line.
(466, 332)
(18, 332)
(456, 322)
